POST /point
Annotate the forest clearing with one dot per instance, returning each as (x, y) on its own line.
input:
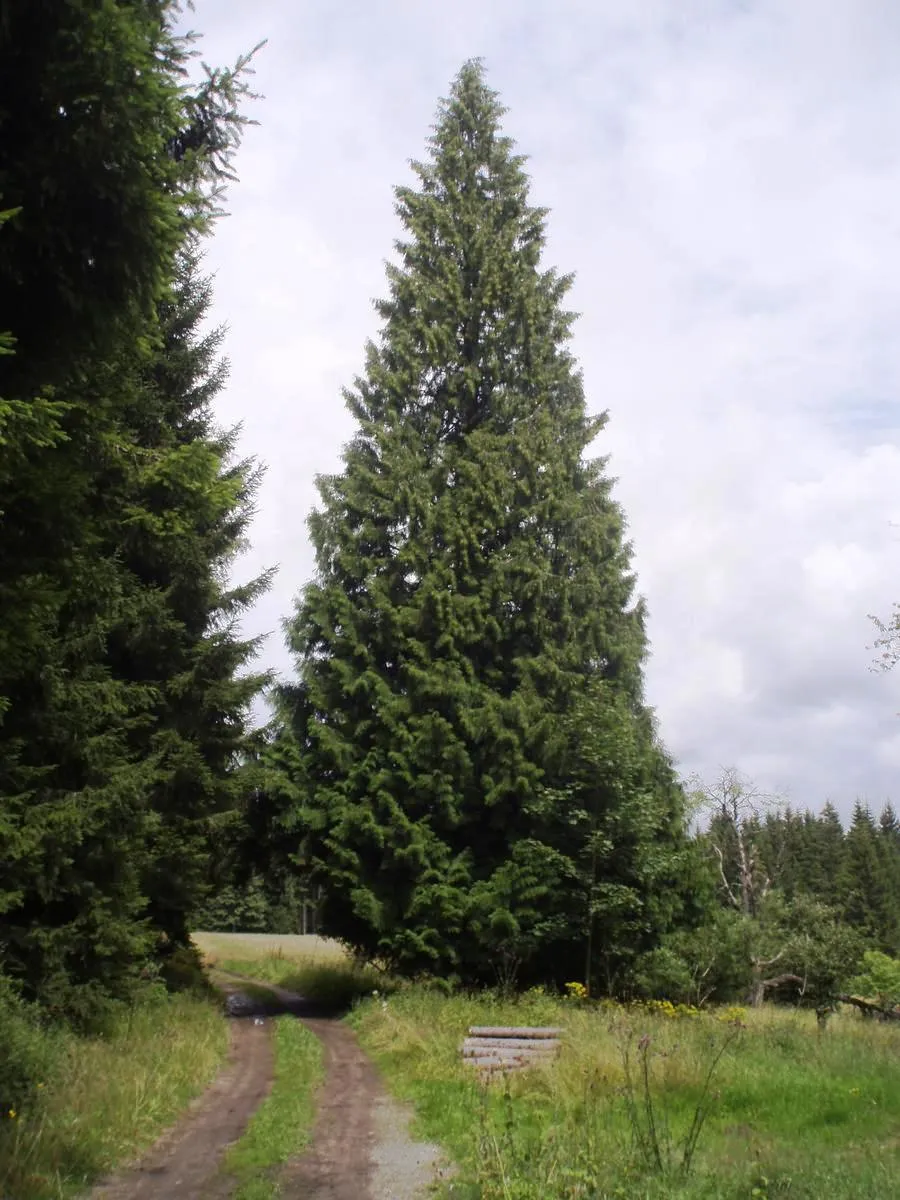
(646, 1100)
(788, 1111)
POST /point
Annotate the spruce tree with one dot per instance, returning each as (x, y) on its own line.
(185, 505)
(108, 165)
(866, 887)
(822, 853)
(888, 841)
(473, 586)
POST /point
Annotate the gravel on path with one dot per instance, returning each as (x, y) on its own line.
(403, 1168)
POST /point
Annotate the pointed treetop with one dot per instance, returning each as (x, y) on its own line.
(473, 164)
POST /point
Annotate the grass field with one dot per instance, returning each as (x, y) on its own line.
(299, 948)
(315, 967)
(787, 1112)
(107, 1098)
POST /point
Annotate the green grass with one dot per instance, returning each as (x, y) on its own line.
(280, 1128)
(790, 1113)
(107, 1098)
(313, 967)
(307, 947)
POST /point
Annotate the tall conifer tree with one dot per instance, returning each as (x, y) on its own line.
(185, 504)
(109, 165)
(473, 586)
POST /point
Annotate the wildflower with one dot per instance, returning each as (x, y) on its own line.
(12, 1114)
(733, 1015)
(576, 991)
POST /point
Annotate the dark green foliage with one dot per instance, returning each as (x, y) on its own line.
(868, 887)
(153, 707)
(185, 519)
(107, 161)
(797, 951)
(616, 819)
(473, 589)
(819, 896)
(121, 713)
(256, 905)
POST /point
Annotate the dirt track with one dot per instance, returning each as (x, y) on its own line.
(338, 1164)
(186, 1163)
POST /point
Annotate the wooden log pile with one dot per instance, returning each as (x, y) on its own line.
(509, 1048)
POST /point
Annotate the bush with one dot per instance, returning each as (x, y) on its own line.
(28, 1050)
(182, 970)
(663, 974)
(879, 979)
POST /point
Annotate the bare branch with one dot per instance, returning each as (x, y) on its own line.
(759, 963)
(868, 1009)
(727, 886)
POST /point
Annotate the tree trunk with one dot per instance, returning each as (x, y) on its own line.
(759, 986)
(868, 1009)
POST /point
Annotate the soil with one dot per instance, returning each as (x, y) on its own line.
(184, 1163)
(360, 1147)
(338, 1163)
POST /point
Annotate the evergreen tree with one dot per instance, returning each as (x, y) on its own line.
(95, 212)
(889, 827)
(473, 587)
(184, 513)
(821, 853)
(617, 821)
(866, 889)
(888, 840)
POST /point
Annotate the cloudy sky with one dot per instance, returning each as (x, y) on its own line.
(724, 179)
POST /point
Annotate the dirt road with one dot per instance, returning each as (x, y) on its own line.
(184, 1163)
(360, 1148)
(338, 1164)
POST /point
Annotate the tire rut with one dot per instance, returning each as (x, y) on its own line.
(184, 1163)
(345, 1159)
(338, 1163)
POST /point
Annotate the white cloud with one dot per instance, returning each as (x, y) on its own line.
(723, 179)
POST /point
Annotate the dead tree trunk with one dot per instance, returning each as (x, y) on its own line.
(870, 1009)
(759, 985)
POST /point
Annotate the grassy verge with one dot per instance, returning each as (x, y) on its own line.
(107, 1098)
(280, 1128)
(787, 1112)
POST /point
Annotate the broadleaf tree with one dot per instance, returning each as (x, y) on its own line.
(473, 586)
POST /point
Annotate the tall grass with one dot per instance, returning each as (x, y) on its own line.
(106, 1098)
(784, 1113)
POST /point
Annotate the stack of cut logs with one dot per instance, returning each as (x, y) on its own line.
(502, 1048)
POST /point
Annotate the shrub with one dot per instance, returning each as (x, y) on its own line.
(27, 1053)
(879, 979)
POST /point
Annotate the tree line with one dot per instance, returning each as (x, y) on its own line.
(464, 774)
